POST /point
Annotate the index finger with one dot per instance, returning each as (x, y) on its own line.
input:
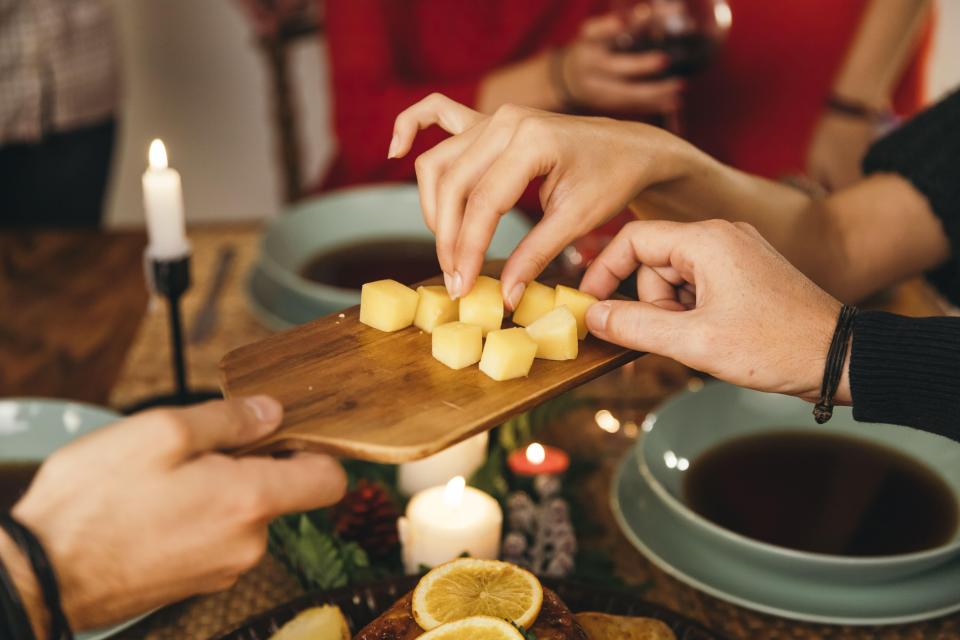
(180, 434)
(435, 109)
(656, 243)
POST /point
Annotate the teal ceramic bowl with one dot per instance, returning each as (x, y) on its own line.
(695, 421)
(33, 428)
(279, 296)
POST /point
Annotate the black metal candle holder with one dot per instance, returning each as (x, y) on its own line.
(171, 279)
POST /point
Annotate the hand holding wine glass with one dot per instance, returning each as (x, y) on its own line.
(597, 77)
(687, 32)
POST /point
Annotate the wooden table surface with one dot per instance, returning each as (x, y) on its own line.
(70, 306)
(75, 323)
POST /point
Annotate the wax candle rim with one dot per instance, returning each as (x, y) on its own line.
(470, 515)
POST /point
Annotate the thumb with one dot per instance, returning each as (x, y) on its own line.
(640, 326)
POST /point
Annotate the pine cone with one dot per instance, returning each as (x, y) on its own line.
(368, 516)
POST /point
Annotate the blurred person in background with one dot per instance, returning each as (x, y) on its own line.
(58, 100)
(797, 87)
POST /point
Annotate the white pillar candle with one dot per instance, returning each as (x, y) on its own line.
(163, 204)
(462, 459)
(443, 523)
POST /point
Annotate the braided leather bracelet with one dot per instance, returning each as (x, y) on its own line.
(836, 357)
(44, 572)
(14, 622)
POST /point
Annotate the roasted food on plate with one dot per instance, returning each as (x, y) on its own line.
(466, 588)
(476, 600)
(555, 622)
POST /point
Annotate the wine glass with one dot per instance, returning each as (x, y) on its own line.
(690, 32)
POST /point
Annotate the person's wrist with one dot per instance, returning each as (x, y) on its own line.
(818, 347)
(18, 566)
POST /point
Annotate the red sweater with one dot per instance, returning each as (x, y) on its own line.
(754, 108)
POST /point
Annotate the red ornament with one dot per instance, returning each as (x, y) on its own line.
(538, 459)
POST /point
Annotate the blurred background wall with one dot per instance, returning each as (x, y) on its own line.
(193, 76)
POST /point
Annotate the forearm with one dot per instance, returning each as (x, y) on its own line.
(857, 241)
(19, 568)
(801, 228)
(880, 50)
(527, 83)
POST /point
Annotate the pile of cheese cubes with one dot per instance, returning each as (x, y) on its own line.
(554, 321)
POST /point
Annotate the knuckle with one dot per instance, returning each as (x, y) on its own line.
(747, 228)
(250, 554)
(632, 228)
(252, 504)
(423, 165)
(434, 99)
(173, 431)
(532, 127)
(508, 112)
(450, 186)
(479, 203)
(539, 259)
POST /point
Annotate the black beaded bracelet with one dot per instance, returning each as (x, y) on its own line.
(836, 358)
(43, 570)
(14, 621)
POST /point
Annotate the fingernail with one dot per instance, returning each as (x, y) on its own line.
(394, 143)
(265, 408)
(597, 316)
(448, 282)
(516, 294)
(455, 285)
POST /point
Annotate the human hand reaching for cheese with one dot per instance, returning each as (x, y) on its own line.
(717, 297)
(469, 180)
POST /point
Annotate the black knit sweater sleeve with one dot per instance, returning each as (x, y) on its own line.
(907, 370)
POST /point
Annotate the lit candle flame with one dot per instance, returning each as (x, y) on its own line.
(453, 492)
(157, 154)
(536, 454)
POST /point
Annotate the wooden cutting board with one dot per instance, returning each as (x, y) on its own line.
(353, 391)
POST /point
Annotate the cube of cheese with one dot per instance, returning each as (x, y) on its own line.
(387, 305)
(436, 307)
(537, 300)
(457, 345)
(508, 354)
(483, 306)
(578, 302)
(555, 335)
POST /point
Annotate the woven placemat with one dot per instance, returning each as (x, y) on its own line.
(630, 393)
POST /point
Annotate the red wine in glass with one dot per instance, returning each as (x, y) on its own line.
(690, 32)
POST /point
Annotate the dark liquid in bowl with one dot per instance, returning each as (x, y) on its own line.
(15, 477)
(822, 493)
(350, 266)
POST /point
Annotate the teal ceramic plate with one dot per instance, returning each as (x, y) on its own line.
(280, 297)
(666, 540)
(33, 428)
